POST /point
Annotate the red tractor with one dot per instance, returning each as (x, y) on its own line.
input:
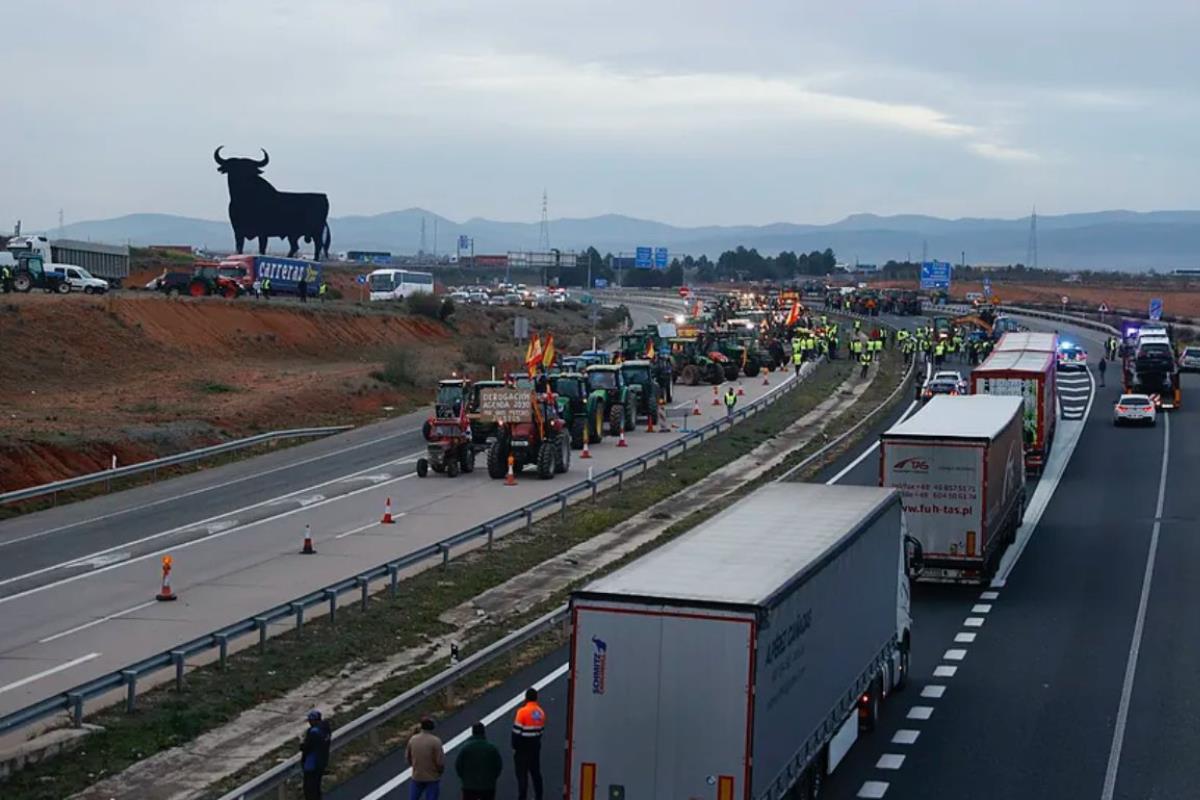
(450, 449)
(530, 432)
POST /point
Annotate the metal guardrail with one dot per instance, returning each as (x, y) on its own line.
(72, 701)
(280, 773)
(167, 461)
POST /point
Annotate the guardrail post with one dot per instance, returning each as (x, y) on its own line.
(592, 484)
(130, 690)
(223, 650)
(363, 587)
(261, 624)
(620, 478)
(701, 434)
(331, 596)
(394, 578)
(490, 530)
(445, 555)
(177, 660)
(562, 511)
(298, 610)
(529, 520)
(76, 702)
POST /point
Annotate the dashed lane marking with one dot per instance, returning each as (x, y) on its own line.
(955, 654)
(981, 608)
(945, 671)
(964, 638)
(920, 712)
(933, 691)
(973, 622)
(890, 761)
(989, 596)
(873, 790)
(906, 736)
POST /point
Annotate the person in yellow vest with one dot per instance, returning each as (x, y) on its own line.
(322, 291)
(797, 357)
(865, 360)
(528, 726)
(730, 402)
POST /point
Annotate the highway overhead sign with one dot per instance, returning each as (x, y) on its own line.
(1156, 308)
(660, 258)
(643, 258)
(935, 275)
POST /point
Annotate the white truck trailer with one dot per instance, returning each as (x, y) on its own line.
(741, 660)
(959, 465)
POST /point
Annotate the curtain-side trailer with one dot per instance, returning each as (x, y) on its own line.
(1029, 375)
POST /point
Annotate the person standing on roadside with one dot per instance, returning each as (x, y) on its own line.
(528, 726)
(478, 766)
(314, 754)
(1103, 366)
(428, 761)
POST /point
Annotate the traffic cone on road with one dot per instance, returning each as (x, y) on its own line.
(164, 592)
(766, 377)
(510, 479)
(650, 423)
(621, 441)
(387, 513)
(716, 397)
(741, 392)
(308, 549)
(586, 453)
(696, 407)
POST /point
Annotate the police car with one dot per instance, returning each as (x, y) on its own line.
(1134, 408)
(1071, 356)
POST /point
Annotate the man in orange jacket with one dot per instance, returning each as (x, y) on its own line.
(528, 726)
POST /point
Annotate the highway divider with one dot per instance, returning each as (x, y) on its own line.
(73, 700)
(154, 465)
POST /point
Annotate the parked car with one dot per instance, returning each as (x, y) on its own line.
(80, 280)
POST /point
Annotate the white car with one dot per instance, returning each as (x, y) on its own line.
(951, 375)
(80, 279)
(1134, 408)
(1189, 359)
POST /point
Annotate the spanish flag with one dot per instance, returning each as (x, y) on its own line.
(533, 355)
(650, 350)
(548, 352)
(794, 315)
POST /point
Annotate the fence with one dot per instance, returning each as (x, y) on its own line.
(110, 475)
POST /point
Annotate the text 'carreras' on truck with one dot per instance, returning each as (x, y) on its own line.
(959, 466)
(742, 659)
(285, 274)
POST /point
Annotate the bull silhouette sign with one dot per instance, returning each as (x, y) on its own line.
(257, 210)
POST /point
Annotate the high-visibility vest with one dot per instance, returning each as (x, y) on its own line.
(730, 399)
(530, 722)
(940, 349)
(798, 357)
(322, 288)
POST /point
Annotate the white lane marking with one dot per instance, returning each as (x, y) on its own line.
(874, 446)
(905, 736)
(920, 712)
(366, 527)
(955, 654)
(981, 608)
(973, 622)
(48, 672)
(399, 780)
(989, 596)
(1056, 465)
(890, 761)
(96, 622)
(945, 671)
(99, 561)
(215, 486)
(933, 691)
(1135, 646)
(873, 790)
(966, 637)
(223, 525)
(210, 520)
(172, 548)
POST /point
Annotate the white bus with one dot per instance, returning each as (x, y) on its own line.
(396, 284)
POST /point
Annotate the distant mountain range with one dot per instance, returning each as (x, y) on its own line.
(1100, 240)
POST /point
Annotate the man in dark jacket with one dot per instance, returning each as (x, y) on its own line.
(478, 766)
(314, 754)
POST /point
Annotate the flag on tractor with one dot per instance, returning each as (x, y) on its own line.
(548, 352)
(533, 355)
(793, 315)
(650, 349)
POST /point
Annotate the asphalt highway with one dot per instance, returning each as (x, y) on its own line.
(78, 602)
(1072, 678)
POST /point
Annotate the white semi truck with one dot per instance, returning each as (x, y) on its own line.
(958, 463)
(742, 659)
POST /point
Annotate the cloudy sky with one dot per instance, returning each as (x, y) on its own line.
(693, 112)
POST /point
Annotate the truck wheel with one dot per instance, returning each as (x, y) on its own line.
(616, 416)
(562, 458)
(452, 468)
(545, 460)
(422, 468)
(577, 425)
(905, 655)
(497, 461)
(467, 458)
(63, 288)
(868, 707)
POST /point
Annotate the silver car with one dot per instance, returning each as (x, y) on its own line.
(1135, 409)
(1189, 359)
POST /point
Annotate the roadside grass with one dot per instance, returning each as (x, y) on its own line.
(216, 387)
(166, 718)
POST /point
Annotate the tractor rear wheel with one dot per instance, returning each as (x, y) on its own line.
(23, 282)
(562, 453)
(616, 418)
(690, 375)
(467, 458)
(716, 375)
(731, 371)
(422, 468)
(545, 459)
(752, 368)
(497, 460)
(198, 288)
(596, 435)
(452, 468)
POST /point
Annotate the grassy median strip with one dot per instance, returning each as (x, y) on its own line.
(166, 718)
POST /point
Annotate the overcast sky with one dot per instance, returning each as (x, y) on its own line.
(694, 112)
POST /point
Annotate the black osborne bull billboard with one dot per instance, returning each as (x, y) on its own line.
(258, 211)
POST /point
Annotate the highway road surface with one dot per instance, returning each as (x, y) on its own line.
(1069, 677)
(77, 584)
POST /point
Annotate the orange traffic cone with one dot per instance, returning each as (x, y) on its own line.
(511, 478)
(716, 400)
(741, 392)
(586, 453)
(164, 592)
(766, 377)
(696, 407)
(308, 549)
(650, 423)
(387, 513)
(621, 441)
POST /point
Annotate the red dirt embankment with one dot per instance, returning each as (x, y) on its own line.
(140, 376)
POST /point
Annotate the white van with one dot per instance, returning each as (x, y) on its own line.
(79, 279)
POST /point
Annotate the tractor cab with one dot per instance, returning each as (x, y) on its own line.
(451, 397)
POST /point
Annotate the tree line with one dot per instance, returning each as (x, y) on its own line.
(740, 264)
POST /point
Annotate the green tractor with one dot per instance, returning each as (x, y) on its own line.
(691, 364)
(636, 344)
(640, 374)
(581, 409)
(620, 402)
(725, 344)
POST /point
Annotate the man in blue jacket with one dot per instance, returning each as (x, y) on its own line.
(314, 754)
